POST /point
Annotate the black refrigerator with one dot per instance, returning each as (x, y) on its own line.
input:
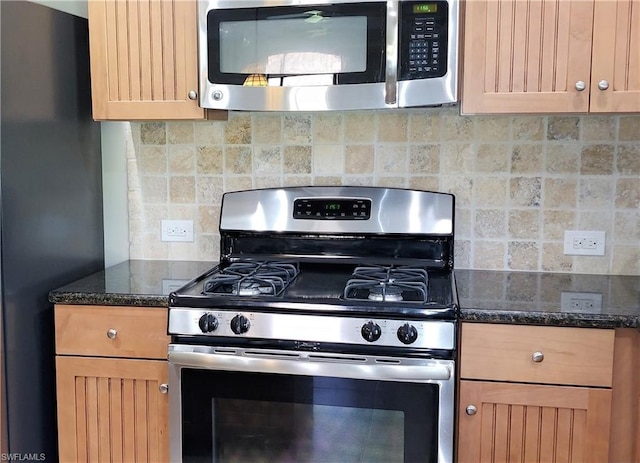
(50, 207)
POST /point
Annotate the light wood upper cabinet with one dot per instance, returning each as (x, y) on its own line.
(143, 59)
(548, 56)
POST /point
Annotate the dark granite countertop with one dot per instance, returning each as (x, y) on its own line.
(144, 283)
(485, 296)
(562, 299)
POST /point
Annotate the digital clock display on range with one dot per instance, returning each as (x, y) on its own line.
(332, 209)
(425, 8)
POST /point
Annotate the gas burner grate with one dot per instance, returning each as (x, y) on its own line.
(387, 284)
(252, 279)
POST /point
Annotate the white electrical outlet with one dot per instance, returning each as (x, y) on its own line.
(573, 301)
(584, 242)
(177, 230)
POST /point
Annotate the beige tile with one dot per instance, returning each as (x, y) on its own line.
(237, 130)
(358, 180)
(457, 158)
(629, 128)
(560, 193)
(238, 160)
(460, 186)
(597, 160)
(182, 189)
(488, 255)
(392, 126)
(529, 128)
(359, 159)
(598, 128)
(327, 128)
(391, 159)
(267, 128)
(627, 227)
(492, 128)
(209, 160)
(563, 158)
(527, 159)
(208, 219)
(183, 251)
(553, 258)
(424, 159)
(493, 158)
(154, 189)
(153, 216)
(133, 174)
(136, 209)
(595, 193)
(209, 133)
(424, 127)
(153, 248)
(628, 159)
(327, 180)
(463, 223)
(297, 129)
(592, 264)
(297, 160)
(209, 190)
(426, 183)
(490, 223)
(556, 222)
(153, 160)
(563, 128)
(208, 247)
(267, 181)
(182, 159)
(456, 128)
(626, 260)
(297, 180)
(525, 191)
(328, 160)
(182, 211)
(491, 192)
(524, 224)
(360, 127)
(267, 160)
(153, 133)
(596, 219)
(180, 133)
(238, 183)
(627, 195)
(522, 255)
(462, 253)
(391, 182)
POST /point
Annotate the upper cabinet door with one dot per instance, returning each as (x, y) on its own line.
(144, 59)
(527, 56)
(615, 85)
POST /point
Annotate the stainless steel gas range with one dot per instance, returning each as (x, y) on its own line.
(326, 333)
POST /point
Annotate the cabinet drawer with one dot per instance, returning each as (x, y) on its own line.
(135, 332)
(572, 356)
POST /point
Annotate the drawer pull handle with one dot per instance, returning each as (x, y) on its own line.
(164, 388)
(537, 357)
(471, 410)
(112, 333)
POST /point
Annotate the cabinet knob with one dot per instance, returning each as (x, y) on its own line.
(112, 333)
(603, 84)
(193, 95)
(537, 357)
(164, 388)
(471, 410)
(580, 85)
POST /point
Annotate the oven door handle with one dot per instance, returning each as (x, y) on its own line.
(315, 365)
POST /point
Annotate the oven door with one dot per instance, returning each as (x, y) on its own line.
(254, 405)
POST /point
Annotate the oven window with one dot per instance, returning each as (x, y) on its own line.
(230, 417)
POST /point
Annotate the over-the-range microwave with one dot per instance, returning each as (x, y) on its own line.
(315, 55)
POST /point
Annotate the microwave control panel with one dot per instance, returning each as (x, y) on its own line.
(423, 39)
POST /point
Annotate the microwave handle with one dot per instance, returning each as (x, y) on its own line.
(391, 79)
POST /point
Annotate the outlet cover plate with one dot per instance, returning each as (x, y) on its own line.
(177, 230)
(580, 302)
(584, 242)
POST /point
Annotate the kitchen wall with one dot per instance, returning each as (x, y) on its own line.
(519, 181)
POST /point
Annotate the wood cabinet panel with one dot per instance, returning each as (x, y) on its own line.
(518, 423)
(616, 56)
(84, 330)
(112, 410)
(143, 59)
(505, 353)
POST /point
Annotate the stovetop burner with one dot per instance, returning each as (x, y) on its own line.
(388, 284)
(252, 279)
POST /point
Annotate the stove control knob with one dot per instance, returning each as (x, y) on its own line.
(371, 331)
(208, 323)
(407, 334)
(240, 324)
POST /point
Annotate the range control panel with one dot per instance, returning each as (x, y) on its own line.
(423, 40)
(332, 209)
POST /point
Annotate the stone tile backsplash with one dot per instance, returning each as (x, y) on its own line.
(519, 181)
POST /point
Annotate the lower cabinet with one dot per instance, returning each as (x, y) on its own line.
(112, 410)
(535, 394)
(112, 384)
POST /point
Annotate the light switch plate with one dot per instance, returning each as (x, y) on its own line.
(177, 230)
(584, 242)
